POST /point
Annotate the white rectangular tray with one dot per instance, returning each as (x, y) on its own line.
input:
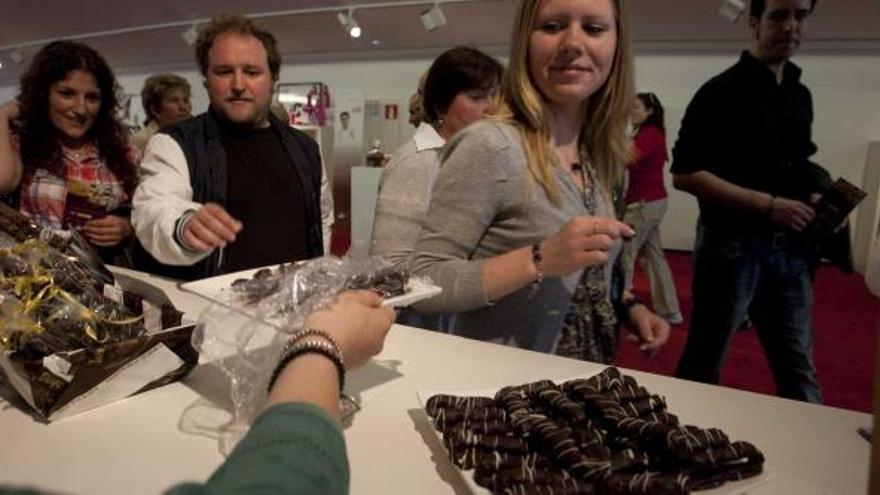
(214, 288)
(756, 485)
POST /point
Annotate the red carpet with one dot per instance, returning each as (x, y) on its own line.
(845, 318)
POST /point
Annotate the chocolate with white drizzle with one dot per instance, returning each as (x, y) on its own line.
(605, 434)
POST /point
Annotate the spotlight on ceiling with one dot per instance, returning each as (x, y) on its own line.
(349, 23)
(190, 35)
(433, 18)
(17, 55)
(732, 10)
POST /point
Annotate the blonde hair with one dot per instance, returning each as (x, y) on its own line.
(155, 88)
(603, 136)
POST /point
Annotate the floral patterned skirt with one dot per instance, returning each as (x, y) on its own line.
(589, 331)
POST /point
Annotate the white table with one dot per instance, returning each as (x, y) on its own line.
(142, 445)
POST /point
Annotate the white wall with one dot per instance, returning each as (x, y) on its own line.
(846, 93)
(385, 80)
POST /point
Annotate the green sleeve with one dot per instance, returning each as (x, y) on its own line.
(291, 448)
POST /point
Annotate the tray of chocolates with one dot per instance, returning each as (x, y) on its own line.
(249, 287)
(604, 434)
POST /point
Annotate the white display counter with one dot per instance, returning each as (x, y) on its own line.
(144, 444)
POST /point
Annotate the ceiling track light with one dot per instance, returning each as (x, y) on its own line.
(437, 19)
(433, 18)
(732, 10)
(349, 23)
(190, 35)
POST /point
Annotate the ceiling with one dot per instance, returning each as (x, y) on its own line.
(393, 31)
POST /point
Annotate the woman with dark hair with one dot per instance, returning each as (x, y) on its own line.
(64, 157)
(646, 204)
(458, 89)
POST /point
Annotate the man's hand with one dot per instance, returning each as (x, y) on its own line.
(790, 213)
(107, 231)
(210, 227)
(647, 329)
(815, 197)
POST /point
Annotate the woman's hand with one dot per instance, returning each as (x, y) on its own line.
(9, 111)
(647, 329)
(107, 231)
(583, 241)
(10, 159)
(359, 324)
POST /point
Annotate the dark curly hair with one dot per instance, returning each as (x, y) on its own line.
(40, 147)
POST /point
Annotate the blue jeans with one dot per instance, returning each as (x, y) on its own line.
(767, 277)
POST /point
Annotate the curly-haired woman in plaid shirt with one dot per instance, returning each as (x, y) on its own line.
(64, 156)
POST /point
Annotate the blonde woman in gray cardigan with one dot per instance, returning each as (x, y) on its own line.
(520, 232)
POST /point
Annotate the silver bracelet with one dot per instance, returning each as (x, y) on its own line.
(296, 350)
(317, 332)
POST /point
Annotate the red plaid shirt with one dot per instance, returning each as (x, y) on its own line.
(88, 191)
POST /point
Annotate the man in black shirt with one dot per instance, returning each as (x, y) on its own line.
(743, 150)
(233, 188)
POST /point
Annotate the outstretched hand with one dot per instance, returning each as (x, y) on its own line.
(583, 241)
(210, 227)
(358, 322)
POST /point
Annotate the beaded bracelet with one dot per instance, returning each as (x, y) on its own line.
(310, 347)
(538, 261)
(317, 332)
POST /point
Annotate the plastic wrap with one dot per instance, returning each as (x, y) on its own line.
(50, 304)
(244, 332)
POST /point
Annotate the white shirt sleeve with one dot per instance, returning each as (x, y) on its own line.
(162, 197)
(326, 199)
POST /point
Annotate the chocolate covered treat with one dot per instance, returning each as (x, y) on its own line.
(387, 283)
(604, 434)
(266, 282)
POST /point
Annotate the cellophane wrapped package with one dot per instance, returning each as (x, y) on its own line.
(245, 331)
(69, 340)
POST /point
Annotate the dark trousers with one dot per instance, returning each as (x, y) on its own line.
(768, 278)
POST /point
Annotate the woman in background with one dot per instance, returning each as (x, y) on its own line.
(457, 91)
(165, 98)
(64, 157)
(646, 204)
(520, 233)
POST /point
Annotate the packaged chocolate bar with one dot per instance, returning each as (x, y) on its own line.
(836, 203)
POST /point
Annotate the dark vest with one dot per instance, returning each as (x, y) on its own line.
(200, 140)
